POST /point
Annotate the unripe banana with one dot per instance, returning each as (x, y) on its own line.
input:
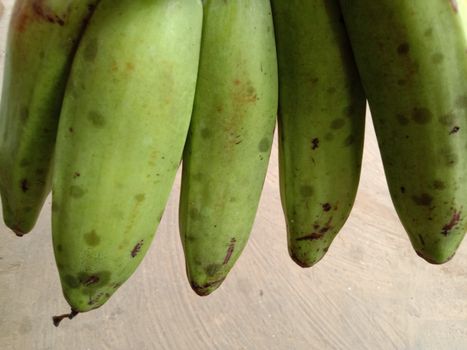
(321, 124)
(412, 57)
(123, 126)
(42, 39)
(229, 143)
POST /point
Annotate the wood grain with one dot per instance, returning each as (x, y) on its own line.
(370, 292)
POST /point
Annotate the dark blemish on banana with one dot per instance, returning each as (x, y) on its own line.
(450, 159)
(402, 189)
(76, 174)
(194, 213)
(91, 280)
(422, 241)
(116, 285)
(326, 249)
(329, 136)
(264, 145)
(423, 200)
(306, 191)
(96, 119)
(349, 140)
(402, 119)
(454, 130)
(230, 250)
(130, 66)
(24, 163)
(90, 50)
(76, 192)
(403, 49)
(212, 269)
(71, 281)
(314, 143)
(337, 124)
(311, 237)
(59, 248)
(421, 115)
(24, 114)
(313, 81)
(326, 207)
(140, 197)
(136, 249)
(439, 185)
(92, 239)
(46, 14)
(206, 133)
(317, 235)
(437, 58)
(95, 299)
(452, 223)
(401, 82)
(24, 185)
(461, 101)
(349, 110)
(71, 130)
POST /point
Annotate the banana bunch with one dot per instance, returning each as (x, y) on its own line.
(102, 100)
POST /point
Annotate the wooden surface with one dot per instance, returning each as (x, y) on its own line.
(371, 291)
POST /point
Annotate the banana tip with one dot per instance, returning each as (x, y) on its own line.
(433, 261)
(207, 288)
(18, 232)
(302, 263)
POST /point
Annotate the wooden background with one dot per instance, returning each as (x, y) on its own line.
(370, 292)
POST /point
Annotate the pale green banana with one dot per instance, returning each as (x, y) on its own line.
(120, 141)
(229, 143)
(42, 39)
(412, 57)
(321, 124)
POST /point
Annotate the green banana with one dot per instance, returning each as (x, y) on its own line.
(122, 129)
(42, 39)
(321, 124)
(230, 137)
(413, 64)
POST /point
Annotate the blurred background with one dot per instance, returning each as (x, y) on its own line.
(371, 291)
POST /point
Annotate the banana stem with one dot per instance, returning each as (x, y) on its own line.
(57, 319)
